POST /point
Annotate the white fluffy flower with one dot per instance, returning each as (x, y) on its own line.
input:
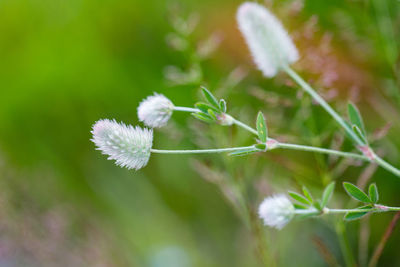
(276, 211)
(129, 146)
(155, 110)
(268, 41)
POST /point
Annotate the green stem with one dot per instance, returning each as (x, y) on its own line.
(244, 126)
(336, 116)
(322, 151)
(312, 211)
(200, 151)
(322, 102)
(279, 145)
(386, 165)
(186, 109)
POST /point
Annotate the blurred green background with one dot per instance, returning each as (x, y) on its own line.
(66, 64)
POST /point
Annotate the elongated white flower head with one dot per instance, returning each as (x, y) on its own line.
(129, 146)
(276, 211)
(268, 41)
(155, 110)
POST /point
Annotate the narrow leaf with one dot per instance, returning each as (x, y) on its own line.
(360, 135)
(317, 205)
(355, 117)
(307, 194)
(210, 98)
(203, 117)
(262, 147)
(326, 196)
(351, 216)
(299, 198)
(222, 105)
(243, 152)
(261, 127)
(373, 193)
(356, 192)
(299, 206)
(205, 107)
(212, 114)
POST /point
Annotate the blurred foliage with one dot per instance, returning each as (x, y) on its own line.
(66, 64)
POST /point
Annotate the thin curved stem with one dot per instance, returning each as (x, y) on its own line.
(282, 145)
(322, 151)
(378, 208)
(186, 109)
(244, 126)
(338, 118)
(322, 102)
(200, 151)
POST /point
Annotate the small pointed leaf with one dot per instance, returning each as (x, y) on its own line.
(299, 198)
(261, 147)
(355, 117)
(212, 114)
(222, 105)
(299, 206)
(262, 128)
(351, 216)
(326, 196)
(243, 152)
(360, 135)
(210, 98)
(205, 107)
(203, 117)
(307, 194)
(373, 193)
(356, 192)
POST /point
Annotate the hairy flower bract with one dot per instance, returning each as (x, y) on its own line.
(129, 146)
(155, 110)
(268, 41)
(276, 211)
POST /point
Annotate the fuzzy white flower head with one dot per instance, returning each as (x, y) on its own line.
(155, 110)
(268, 41)
(129, 146)
(276, 211)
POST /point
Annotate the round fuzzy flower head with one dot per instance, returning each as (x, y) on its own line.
(155, 110)
(129, 146)
(269, 43)
(276, 211)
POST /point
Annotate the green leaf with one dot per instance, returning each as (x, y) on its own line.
(203, 117)
(243, 152)
(307, 194)
(373, 193)
(210, 98)
(299, 206)
(262, 127)
(317, 205)
(212, 114)
(222, 105)
(299, 198)
(205, 107)
(326, 196)
(357, 215)
(262, 147)
(356, 192)
(360, 135)
(351, 216)
(355, 117)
